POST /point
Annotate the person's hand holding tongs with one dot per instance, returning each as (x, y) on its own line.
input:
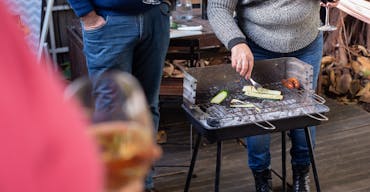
(242, 61)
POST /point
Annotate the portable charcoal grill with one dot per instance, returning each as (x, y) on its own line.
(217, 122)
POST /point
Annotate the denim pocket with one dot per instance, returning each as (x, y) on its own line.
(165, 9)
(98, 28)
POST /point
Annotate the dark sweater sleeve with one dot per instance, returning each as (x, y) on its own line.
(81, 7)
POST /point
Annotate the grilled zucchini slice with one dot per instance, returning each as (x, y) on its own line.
(250, 88)
(236, 103)
(220, 97)
(263, 96)
(262, 93)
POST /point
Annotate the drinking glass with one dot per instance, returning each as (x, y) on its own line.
(123, 129)
(327, 26)
(152, 2)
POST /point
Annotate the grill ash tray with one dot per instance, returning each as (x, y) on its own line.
(218, 129)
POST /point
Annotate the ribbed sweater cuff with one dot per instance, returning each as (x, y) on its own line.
(236, 41)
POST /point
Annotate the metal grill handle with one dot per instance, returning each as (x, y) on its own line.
(320, 117)
(318, 98)
(271, 126)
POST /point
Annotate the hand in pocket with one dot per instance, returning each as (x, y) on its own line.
(92, 21)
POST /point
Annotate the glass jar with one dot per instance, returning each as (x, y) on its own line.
(183, 10)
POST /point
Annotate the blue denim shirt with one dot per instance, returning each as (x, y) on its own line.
(109, 7)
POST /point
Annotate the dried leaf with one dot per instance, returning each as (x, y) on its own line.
(343, 81)
(161, 137)
(327, 60)
(332, 77)
(365, 63)
(328, 68)
(362, 49)
(355, 87)
(325, 80)
(177, 73)
(356, 66)
(168, 69)
(346, 101)
(364, 90)
(365, 97)
(332, 89)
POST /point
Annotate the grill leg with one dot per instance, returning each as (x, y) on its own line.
(191, 139)
(283, 160)
(192, 164)
(312, 157)
(218, 165)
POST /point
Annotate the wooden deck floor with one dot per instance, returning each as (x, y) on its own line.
(342, 155)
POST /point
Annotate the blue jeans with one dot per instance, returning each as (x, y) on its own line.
(259, 146)
(136, 44)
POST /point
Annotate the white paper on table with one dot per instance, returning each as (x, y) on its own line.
(190, 28)
(176, 33)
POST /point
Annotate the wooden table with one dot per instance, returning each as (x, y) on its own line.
(207, 38)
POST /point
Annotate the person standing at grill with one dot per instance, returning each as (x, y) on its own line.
(266, 30)
(126, 35)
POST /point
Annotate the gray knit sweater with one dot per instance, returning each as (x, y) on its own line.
(277, 25)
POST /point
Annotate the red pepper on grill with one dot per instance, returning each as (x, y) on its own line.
(295, 82)
(287, 84)
(291, 83)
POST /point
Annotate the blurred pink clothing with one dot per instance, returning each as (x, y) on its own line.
(43, 141)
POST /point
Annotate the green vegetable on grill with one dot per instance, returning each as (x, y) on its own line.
(219, 97)
(262, 93)
(236, 103)
(249, 88)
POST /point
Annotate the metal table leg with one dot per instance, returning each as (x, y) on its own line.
(218, 165)
(312, 157)
(192, 164)
(283, 160)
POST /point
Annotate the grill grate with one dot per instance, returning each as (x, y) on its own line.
(295, 103)
(201, 84)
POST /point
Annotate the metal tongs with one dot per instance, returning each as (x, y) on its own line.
(255, 84)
